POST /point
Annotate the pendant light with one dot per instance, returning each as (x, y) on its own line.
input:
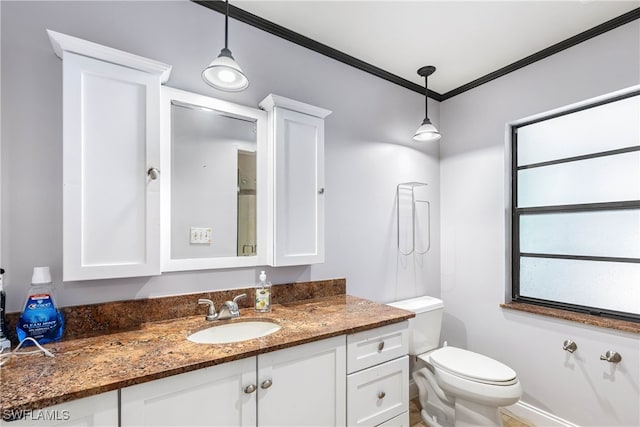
(224, 73)
(427, 131)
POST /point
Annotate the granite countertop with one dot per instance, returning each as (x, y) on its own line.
(88, 366)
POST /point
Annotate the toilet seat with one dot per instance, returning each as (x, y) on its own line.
(471, 366)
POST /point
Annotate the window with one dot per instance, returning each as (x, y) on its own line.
(576, 209)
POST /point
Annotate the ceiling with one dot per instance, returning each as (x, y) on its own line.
(465, 40)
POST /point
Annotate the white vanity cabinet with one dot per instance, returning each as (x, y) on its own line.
(303, 385)
(296, 147)
(111, 189)
(378, 377)
(222, 395)
(297, 386)
(95, 411)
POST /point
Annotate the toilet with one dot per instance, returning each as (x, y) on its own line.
(456, 387)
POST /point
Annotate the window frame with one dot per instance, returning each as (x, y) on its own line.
(516, 212)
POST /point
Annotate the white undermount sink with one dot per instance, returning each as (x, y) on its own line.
(234, 332)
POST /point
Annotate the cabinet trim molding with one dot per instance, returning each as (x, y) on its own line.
(272, 101)
(64, 43)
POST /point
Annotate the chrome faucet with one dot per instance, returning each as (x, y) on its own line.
(229, 309)
(211, 314)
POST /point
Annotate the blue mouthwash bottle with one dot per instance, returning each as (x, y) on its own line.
(40, 319)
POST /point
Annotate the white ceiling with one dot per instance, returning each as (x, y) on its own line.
(465, 40)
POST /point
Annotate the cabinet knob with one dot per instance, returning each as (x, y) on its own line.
(381, 395)
(250, 389)
(321, 191)
(380, 346)
(153, 173)
(266, 384)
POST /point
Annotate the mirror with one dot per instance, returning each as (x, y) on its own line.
(213, 179)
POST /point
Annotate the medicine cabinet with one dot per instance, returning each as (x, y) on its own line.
(214, 183)
(159, 179)
(111, 194)
(296, 143)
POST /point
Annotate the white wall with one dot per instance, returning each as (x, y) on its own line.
(474, 164)
(368, 145)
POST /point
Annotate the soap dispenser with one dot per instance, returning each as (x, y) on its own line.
(263, 294)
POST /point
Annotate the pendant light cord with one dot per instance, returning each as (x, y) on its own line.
(426, 97)
(226, 25)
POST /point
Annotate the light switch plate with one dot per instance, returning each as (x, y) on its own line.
(200, 235)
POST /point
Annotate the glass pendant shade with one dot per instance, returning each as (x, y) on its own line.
(225, 74)
(426, 132)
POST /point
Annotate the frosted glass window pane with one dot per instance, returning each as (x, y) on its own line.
(606, 127)
(601, 233)
(606, 285)
(601, 179)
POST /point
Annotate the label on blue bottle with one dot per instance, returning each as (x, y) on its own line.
(40, 320)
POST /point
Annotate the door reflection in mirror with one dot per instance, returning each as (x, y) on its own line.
(213, 185)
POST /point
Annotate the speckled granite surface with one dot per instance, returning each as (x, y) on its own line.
(87, 366)
(586, 319)
(83, 321)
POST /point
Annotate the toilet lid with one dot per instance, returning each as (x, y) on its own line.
(472, 366)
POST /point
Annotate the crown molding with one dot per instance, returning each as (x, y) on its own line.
(299, 39)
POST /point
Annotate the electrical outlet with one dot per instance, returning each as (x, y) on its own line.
(200, 235)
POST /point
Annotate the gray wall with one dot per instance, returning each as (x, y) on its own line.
(474, 167)
(368, 146)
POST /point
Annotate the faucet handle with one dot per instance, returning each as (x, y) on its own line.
(211, 313)
(239, 297)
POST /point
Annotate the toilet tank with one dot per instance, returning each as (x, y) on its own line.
(424, 329)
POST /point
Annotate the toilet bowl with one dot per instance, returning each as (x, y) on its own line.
(456, 387)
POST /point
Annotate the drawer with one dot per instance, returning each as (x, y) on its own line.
(378, 394)
(379, 345)
(401, 420)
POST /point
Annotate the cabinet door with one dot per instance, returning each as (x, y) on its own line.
(94, 411)
(379, 393)
(304, 385)
(299, 188)
(111, 205)
(214, 396)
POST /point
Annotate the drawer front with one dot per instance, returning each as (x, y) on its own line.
(401, 420)
(369, 348)
(378, 394)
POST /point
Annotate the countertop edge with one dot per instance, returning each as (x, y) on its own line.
(53, 399)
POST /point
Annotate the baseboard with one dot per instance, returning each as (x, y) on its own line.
(537, 417)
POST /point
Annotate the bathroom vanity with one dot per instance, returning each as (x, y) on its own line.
(337, 360)
(134, 155)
